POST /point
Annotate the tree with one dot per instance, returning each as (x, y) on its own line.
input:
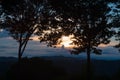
(115, 21)
(22, 19)
(118, 39)
(1, 16)
(86, 20)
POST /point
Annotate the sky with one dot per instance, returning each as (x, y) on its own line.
(9, 47)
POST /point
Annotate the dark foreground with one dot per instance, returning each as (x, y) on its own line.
(57, 68)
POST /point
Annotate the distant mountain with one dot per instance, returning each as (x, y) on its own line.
(71, 65)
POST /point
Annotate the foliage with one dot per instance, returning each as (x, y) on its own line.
(1, 16)
(86, 20)
(118, 39)
(22, 20)
(115, 21)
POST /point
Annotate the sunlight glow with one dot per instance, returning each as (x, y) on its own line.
(66, 41)
(113, 43)
(35, 38)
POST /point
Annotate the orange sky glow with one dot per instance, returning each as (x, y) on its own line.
(66, 41)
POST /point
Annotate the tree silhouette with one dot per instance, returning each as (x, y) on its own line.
(86, 20)
(118, 39)
(1, 16)
(22, 19)
(115, 22)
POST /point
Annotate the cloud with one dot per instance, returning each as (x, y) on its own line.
(9, 47)
(110, 50)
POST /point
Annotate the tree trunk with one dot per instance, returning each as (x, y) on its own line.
(88, 63)
(23, 47)
(19, 60)
(19, 53)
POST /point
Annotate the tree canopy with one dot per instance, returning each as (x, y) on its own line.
(85, 19)
(22, 18)
(115, 21)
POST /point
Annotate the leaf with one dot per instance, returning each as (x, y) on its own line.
(97, 51)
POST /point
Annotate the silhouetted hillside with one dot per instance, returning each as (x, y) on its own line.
(71, 65)
(6, 63)
(35, 69)
(101, 67)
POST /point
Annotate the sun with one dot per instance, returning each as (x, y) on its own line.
(66, 41)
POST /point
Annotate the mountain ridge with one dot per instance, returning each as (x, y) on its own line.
(71, 65)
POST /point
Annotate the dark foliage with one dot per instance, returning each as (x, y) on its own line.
(22, 19)
(85, 19)
(115, 22)
(35, 69)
